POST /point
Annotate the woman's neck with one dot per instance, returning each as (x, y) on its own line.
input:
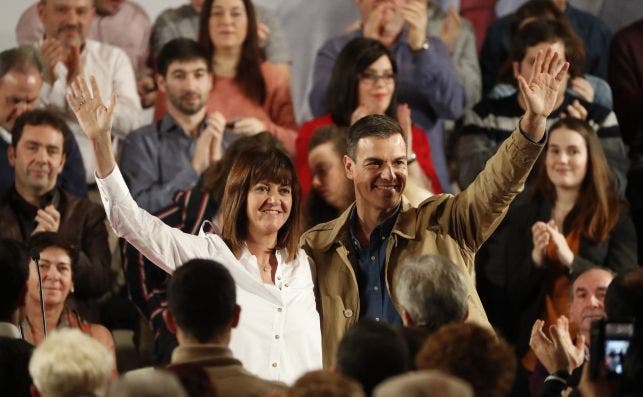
(565, 201)
(225, 61)
(262, 246)
(34, 316)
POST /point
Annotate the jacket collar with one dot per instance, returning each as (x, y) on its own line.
(339, 229)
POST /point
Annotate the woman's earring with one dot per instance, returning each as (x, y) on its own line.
(72, 288)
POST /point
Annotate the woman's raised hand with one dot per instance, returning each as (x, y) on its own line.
(94, 117)
(95, 120)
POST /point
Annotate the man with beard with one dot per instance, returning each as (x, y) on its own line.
(68, 53)
(170, 155)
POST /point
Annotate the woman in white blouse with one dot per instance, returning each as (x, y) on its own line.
(278, 336)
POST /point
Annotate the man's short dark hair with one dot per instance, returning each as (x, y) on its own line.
(377, 125)
(370, 352)
(182, 50)
(202, 298)
(14, 271)
(49, 117)
(21, 58)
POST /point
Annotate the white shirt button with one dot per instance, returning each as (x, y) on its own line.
(377, 319)
(372, 258)
(274, 365)
(376, 288)
(276, 336)
(280, 309)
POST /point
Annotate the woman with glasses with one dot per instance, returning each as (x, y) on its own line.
(363, 83)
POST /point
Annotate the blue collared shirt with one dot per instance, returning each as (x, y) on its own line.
(375, 300)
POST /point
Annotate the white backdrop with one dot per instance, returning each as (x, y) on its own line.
(11, 9)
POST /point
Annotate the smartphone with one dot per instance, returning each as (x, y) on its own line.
(608, 346)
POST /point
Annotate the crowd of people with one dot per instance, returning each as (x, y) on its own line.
(296, 198)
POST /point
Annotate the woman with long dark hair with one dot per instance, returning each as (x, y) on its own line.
(363, 83)
(576, 221)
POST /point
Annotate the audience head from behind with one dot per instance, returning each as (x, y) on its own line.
(363, 76)
(194, 283)
(21, 71)
(428, 383)
(324, 383)
(262, 197)
(67, 21)
(587, 297)
(472, 353)
(152, 383)
(574, 147)
(432, 291)
(332, 191)
(538, 35)
(371, 352)
(14, 273)
(70, 363)
(184, 75)
(39, 143)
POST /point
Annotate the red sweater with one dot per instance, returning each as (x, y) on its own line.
(421, 148)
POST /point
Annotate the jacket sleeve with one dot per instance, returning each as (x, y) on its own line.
(280, 110)
(435, 80)
(72, 178)
(94, 260)
(621, 248)
(472, 215)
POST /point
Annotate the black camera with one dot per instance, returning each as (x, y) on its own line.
(608, 346)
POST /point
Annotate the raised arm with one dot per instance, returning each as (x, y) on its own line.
(485, 201)
(95, 119)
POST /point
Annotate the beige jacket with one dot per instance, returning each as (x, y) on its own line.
(453, 226)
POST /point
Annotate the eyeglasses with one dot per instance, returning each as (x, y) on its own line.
(373, 77)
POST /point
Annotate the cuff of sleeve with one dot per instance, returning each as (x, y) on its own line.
(111, 186)
(524, 133)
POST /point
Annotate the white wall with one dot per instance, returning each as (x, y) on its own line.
(10, 11)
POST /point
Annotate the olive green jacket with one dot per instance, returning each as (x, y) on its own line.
(453, 226)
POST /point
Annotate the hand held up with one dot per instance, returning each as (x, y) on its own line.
(95, 119)
(540, 92)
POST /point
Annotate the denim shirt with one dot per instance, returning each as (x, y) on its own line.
(375, 300)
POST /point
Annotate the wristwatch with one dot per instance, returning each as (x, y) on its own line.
(411, 159)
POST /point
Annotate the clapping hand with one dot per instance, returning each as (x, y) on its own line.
(559, 352)
(540, 92)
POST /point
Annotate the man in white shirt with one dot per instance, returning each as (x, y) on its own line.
(68, 54)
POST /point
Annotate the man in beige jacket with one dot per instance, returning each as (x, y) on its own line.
(357, 254)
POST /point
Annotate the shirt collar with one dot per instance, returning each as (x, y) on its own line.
(383, 229)
(168, 124)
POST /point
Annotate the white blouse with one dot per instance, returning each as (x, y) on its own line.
(278, 336)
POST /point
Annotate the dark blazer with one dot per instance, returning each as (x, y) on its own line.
(14, 362)
(526, 283)
(83, 223)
